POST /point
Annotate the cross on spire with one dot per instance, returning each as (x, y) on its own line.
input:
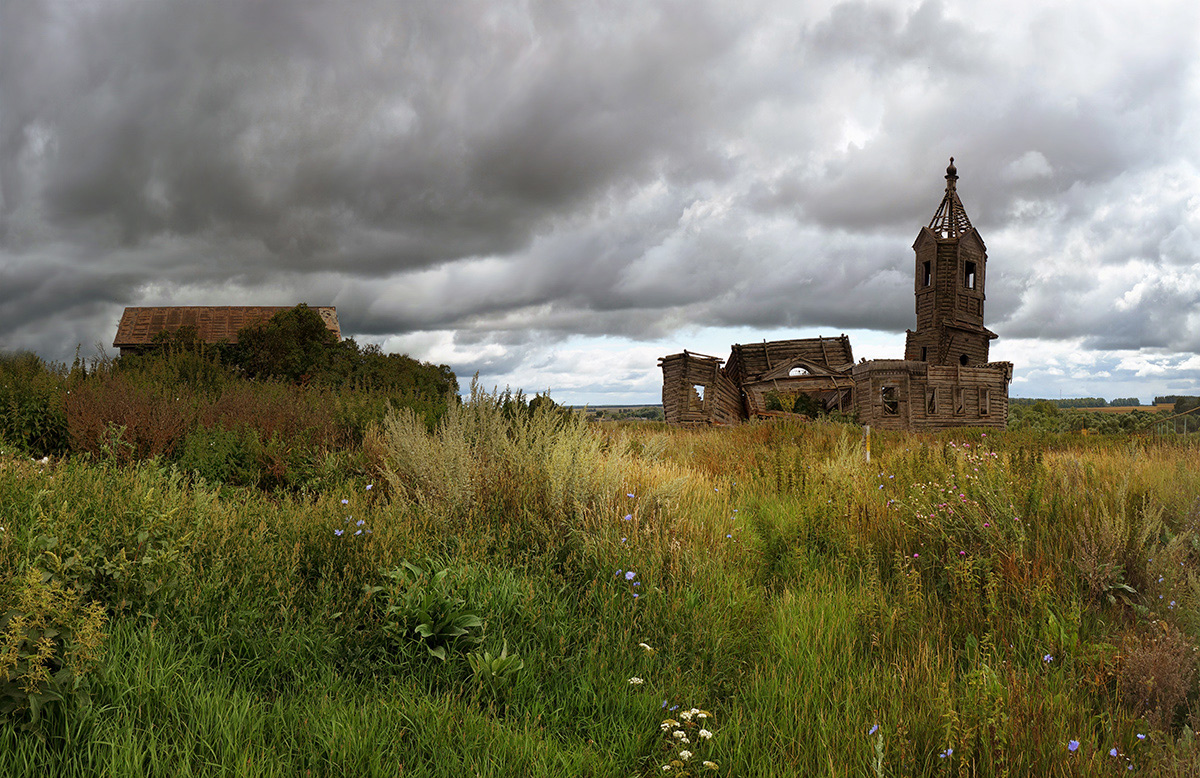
(951, 220)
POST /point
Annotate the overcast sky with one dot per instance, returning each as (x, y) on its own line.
(554, 194)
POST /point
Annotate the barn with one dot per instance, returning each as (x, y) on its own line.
(213, 323)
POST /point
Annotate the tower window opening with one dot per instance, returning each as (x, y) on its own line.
(931, 402)
(891, 401)
(927, 274)
(963, 360)
(969, 275)
(985, 398)
(924, 353)
(960, 405)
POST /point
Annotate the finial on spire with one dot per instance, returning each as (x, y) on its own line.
(951, 220)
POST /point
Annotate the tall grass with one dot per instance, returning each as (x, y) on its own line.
(984, 600)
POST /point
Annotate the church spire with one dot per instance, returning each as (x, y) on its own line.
(951, 220)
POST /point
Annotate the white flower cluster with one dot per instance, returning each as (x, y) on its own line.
(635, 681)
(682, 732)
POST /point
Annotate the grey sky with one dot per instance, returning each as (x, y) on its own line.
(555, 193)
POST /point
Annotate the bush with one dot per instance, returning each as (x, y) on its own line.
(31, 404)
(49, 642)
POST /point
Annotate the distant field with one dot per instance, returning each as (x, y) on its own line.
(527, 594)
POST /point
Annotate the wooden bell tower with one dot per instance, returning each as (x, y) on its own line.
(950, 277)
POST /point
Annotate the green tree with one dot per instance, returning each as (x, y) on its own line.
(294, 345)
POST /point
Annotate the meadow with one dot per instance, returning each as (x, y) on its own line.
(507, 591)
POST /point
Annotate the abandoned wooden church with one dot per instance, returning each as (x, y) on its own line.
(945, 379)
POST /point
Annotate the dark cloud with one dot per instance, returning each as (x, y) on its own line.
(511, 178)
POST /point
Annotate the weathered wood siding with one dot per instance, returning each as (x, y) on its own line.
(958, 395)
(747, 362)
(719, 402)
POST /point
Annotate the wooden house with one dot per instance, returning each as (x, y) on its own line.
(945, 379)
(214, 323)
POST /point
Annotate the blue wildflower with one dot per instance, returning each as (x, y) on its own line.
(629, 576)
(1073, 745)
(628, 517)
(337, 532)
(1112, 752)
(873, 730)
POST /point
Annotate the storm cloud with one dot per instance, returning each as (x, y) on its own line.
(557, 192)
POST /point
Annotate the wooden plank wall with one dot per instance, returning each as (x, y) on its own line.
(682, 403)
(914, 380)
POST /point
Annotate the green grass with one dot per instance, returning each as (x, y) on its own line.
(795, 592)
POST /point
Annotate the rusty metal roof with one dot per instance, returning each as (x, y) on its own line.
(214, 323)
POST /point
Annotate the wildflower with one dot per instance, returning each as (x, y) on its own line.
(679, 734)
(635, 596)
(686, 715)
(358, 532)
(345, 501)
(1112, 752)
(1140, 736)
(1048, 658)
(624, 539)
(709, 765)
(359, 523)
(729, 536)
(962, 553)
(916, 555)
(617, 574)
(685, 755)
(338, 532)
(700, 714)
(667, 723)
(637, 583)
(666, 767)
(1172, 605)
(874, 729)
(628, 517)
(635, 681)
(629, 576)
(369, 487)
(629, 494)
(1073, 745)
(704, 733)
(986, 524)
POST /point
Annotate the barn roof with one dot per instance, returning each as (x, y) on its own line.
(213, 323)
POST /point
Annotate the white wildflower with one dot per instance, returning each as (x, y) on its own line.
(710, 765)
(635, 681)
(686, 715)
(679, 733)
(666, 767)
(685, 755)
(704, 733)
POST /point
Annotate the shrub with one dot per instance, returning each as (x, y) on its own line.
(49, 642)
(222, 456)
(31, 404)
